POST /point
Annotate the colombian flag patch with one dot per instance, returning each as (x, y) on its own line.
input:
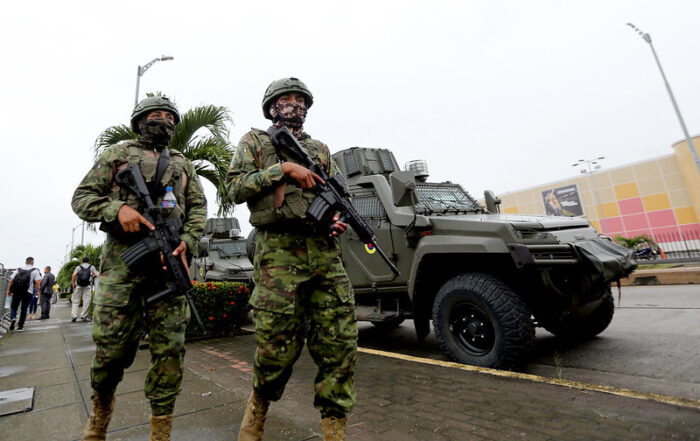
(370, 248)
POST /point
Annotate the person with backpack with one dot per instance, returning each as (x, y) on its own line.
(82, 279)
(23, 281)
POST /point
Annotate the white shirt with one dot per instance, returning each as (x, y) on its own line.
(35, 276)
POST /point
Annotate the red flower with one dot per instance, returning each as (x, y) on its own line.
(233, 303)
(212, 288)
(211, 318)
(224, 315)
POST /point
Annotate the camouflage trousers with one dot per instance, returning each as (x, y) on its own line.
(302, 295)
(121, 319)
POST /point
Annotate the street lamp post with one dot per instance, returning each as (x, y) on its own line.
(646, 37)
(72, 235)
(142, 70)
(587, 167)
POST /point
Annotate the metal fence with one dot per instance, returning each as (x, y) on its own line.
(679, 245)
(4, 280)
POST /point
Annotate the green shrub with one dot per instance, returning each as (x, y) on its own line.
(223, 307)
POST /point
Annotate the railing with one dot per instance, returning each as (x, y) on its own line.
(4, 280)
(679, 245)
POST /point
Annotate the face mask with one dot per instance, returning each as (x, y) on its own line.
(156, 132)
(291, 115)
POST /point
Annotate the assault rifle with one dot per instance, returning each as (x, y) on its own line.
(145, 255)
(331, 196)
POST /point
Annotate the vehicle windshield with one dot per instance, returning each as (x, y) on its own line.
(444, 198)
(228, 248)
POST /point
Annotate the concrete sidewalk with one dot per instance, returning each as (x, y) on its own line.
(398, 399)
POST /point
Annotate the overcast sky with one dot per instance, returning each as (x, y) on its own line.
(496, 95)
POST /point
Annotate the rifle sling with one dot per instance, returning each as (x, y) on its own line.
(156, 187)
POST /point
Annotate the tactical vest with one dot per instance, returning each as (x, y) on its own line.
(174, 177)
(296, 200)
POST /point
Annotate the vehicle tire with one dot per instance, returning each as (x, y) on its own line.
(583, 328)
(481, 321)
(388, 325)
(250, 245)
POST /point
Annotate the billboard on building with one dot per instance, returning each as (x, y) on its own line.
(562, 201)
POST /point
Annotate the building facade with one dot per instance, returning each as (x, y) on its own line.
(659, 198)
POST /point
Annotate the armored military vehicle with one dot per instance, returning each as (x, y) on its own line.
(221, 253)
(485, 279)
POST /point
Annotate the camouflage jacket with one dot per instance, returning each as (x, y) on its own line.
(98, 198)
(256, 171)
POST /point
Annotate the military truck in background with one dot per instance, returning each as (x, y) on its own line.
(221, 253)
(484, 279)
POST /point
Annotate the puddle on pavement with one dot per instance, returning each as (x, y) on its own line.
(10, 370)
(19, 351)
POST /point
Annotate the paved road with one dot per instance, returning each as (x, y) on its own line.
(652, 344)
(398, 399)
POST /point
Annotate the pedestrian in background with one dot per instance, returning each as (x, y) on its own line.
(300, 282)
(46, 290)
(23, 282)
(33, 304)
(54, 298)
(82, 279)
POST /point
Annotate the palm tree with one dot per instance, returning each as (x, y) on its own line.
(210, 152)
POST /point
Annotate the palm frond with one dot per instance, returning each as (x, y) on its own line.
(213, 118)
(111, 136)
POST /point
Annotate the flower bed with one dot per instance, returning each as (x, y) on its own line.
(222, 306)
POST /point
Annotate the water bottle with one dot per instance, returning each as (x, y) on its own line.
(169, 201)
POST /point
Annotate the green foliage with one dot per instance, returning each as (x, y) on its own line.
(635, 242)
(201, 136)
(76, 258)
(222, 306)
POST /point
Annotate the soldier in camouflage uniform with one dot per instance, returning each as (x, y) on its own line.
(121, 317)
(301, 289)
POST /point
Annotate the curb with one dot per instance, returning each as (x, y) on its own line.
(670, 276)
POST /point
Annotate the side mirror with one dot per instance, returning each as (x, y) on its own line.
(203, 247)
(493, 203)
(403, 187)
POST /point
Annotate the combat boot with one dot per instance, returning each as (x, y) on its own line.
(254, 418)
(334, 428)
(160, 427)
(101, 413)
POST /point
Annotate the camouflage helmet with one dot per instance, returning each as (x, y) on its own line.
(149, 104)
(280, 87)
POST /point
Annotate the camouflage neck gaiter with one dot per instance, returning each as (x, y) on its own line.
(156, 133)
(291, 115)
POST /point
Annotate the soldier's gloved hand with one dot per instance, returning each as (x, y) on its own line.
(337, 226)
(305, 177)
(131, 219)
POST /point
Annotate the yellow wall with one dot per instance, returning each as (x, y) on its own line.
(689, 171)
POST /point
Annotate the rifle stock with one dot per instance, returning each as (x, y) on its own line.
(332, 195)
(162, 241)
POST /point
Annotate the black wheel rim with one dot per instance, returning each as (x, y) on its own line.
(472, 329)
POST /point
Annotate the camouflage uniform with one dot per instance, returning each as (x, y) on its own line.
(120, 316)
(301, 288)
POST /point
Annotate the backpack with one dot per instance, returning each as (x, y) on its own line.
(83, 278)
(22, 280)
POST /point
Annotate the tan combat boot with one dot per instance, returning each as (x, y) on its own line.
(254, 418)
(334, 428)
(101, 413)
(160, 427)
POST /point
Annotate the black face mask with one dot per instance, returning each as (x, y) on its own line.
(156, 132)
